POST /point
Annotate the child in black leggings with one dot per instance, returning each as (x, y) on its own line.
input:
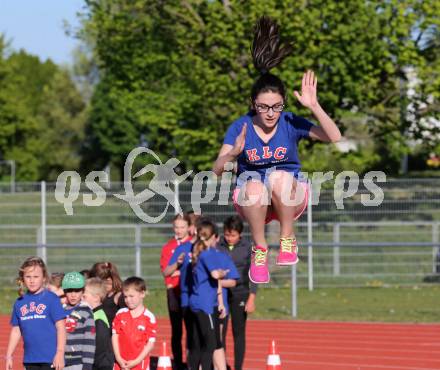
(206, 271)
(241, 298)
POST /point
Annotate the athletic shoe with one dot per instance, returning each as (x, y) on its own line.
(288, 254)
(259, 271)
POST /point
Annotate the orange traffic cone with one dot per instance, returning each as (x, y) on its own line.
(164, 362)
(273, 358)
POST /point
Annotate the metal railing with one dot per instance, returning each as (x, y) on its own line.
(334, 254)
(396, 242)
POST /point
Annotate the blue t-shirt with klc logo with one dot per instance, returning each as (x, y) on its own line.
(36, 316)
(258, 158)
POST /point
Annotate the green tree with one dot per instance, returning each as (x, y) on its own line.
(63, 115)
(180, 71)
(34, 76)
(18, 123)
(42, 116)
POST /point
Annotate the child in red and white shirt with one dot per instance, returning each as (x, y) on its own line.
(134, 328)
(181, 224)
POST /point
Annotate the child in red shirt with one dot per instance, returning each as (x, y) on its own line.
(181, 223)
(134, 328)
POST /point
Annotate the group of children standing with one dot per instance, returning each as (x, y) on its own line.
(202, 277)
(206, 278)
(92, 320)
(78, 323)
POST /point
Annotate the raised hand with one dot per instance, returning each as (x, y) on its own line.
(308, 97)
(239, 142)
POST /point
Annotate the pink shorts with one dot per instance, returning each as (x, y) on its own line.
(271, 214)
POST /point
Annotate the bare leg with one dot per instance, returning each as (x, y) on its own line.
(219, 359)
(255, 210)
(255, 194)
(287, 199)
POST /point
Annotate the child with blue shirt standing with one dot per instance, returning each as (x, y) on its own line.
(241, 298)
(264, 143)
(226, 264)
(38, 317)
(207, 270)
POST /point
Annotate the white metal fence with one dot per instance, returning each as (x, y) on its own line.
(394, 243)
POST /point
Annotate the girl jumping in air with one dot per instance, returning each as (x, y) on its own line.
(38, 317)
(264, 143)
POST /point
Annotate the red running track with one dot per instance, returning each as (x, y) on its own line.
(307, 345)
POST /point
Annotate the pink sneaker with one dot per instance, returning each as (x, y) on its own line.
(288, 254)
(259, 271)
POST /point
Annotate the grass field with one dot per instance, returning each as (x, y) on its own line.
(377, 270)
(358, 265)
(404, 201)
(393, 304)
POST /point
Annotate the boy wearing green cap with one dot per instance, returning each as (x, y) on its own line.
(80, 325)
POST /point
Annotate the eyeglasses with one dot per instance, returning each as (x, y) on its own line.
(264, 108)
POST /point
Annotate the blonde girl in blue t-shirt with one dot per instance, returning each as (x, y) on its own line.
(38, 317)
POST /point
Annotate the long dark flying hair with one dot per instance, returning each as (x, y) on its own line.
(268, 51)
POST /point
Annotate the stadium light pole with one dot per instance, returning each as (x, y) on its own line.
(43, 252)
(310, 236)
